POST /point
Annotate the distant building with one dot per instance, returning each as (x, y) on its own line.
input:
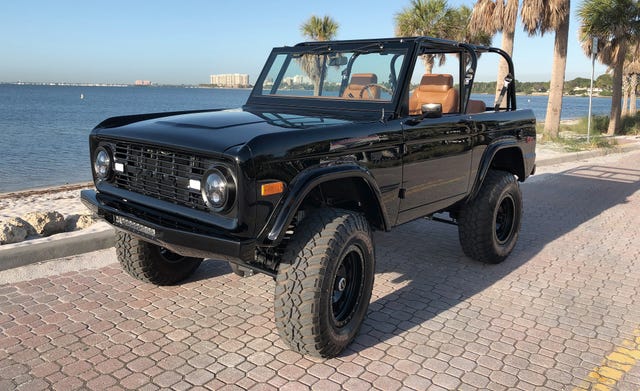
(142, 83)
(230, 80)
(596, 90)
(297, 80)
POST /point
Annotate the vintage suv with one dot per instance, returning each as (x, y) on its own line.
(337, 139)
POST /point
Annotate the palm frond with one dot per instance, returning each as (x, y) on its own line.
(510, 15)
(498, 15)
(482, 18)
(531, 15)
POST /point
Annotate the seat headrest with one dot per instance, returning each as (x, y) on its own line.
(436, 83)
(362, 79)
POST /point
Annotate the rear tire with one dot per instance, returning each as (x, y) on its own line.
(489, 226)
(151, 263)
(324, 282)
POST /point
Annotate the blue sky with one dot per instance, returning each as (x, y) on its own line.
(172, 42)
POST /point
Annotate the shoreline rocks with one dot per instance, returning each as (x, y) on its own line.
(46, 223)
(35, 225)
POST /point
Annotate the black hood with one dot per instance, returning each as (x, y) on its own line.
(208, 131)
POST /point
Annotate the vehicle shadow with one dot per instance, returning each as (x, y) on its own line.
(210, 268)
(421, 270)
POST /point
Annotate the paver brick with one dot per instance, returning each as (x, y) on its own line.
(546, 317)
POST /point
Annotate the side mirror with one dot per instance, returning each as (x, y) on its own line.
(431, 110)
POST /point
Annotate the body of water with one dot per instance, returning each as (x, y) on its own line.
(45, 129)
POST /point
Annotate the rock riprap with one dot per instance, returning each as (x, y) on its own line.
(34, 225)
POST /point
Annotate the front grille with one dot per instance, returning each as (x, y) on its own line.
(160, 173)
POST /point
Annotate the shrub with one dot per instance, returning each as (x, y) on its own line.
(631, 124)
(599, 124)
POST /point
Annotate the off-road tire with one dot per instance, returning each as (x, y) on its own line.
(151, 263)
(489, 226)
(324, 282)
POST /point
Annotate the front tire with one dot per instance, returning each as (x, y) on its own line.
(324, 282)
(489, 226)
(151, 263)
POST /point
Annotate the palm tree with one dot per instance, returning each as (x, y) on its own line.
(626, 83)
(425, 18)
(460, 31)
(633, 86)
(631, 72)
(317, 29)
(490, 17)
(616, 24)
(435, 18)
(540, 17)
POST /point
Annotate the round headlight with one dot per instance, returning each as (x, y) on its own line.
(102, 164)
(218, 189)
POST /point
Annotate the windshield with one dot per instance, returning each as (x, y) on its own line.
(364, 74)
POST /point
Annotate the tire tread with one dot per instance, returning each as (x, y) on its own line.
(476, 240)
(298, 282)
(137, 258)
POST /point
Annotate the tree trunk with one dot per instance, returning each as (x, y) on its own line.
(429, 62)
(316, 87)
(503, 67)
(554, 104)
(625, 94)
(616, 98)
(632, 95)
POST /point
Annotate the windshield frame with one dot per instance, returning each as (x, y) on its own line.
(327, 103)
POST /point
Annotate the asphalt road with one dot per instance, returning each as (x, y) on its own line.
(563, 312)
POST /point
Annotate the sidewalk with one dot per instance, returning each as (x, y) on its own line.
(550, 154)
(100, 236)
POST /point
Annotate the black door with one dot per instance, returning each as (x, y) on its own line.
(436, 164)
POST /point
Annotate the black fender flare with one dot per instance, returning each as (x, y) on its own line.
(487, 158)
(308, 180)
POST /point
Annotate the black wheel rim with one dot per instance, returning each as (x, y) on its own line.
(347, 287)
(505, 219)
(170, 256)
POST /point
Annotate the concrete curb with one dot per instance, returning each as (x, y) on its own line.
(575, 156)
(100, 236)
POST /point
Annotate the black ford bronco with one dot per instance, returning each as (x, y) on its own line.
(336, 139)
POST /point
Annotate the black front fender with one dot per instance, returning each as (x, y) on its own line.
(307, 181)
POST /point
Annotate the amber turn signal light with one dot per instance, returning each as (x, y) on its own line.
(271, 188)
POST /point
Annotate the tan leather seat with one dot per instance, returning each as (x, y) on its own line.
(476, 106)
(356, 88)
(434, 88)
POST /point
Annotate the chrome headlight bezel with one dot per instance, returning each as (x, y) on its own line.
(102, 163)
(218, 189)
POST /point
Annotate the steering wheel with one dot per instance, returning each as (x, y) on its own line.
(369, 89)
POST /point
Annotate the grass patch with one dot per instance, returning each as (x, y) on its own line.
(572, 136)
(630, 125)
(599, 125)
(577, 144)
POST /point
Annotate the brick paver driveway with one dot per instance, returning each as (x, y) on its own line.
(562, 312)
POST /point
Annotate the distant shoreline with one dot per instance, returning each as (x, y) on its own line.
(120, 85)
(204, 86)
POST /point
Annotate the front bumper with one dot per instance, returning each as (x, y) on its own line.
(127, 217)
